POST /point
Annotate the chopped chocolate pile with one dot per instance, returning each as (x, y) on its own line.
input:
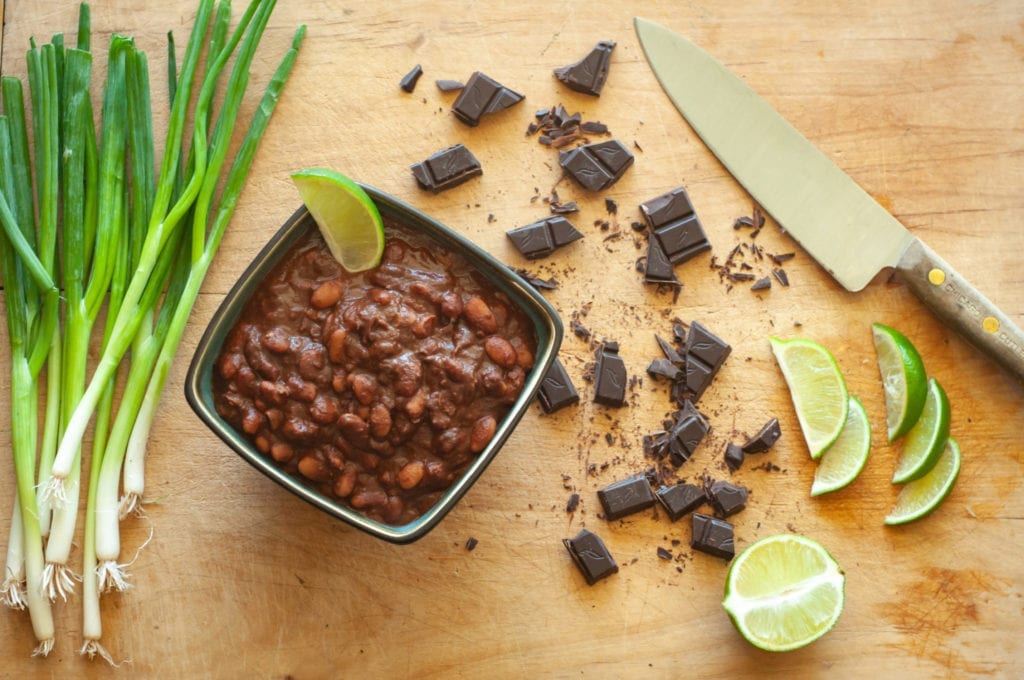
(684, 431)
(596, 166)
(749, 262)
(557, 128)
(692, 369)
(556, 389)
(446, 169)
(410, 79)
(541, 238)
(626, 497)
(482, 95)
(589, 73)
(676, 235)
(591, 556)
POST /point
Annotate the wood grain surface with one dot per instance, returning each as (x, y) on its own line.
(922, 102)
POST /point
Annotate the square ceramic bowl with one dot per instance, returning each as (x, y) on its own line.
(199, 381)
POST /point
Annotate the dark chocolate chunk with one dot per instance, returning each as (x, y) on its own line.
(611, 206)
(681, 499)
(663, 368)
(593, 127)
(481, 96)
(589, 73)
(781, 275)
(763, 283)
(626, 497)
(734, 456)
(564, 208)
(556, 389)
(657, 268)
(610, 372)
(447, 168)
(471, 543)
(449, 85)
(537, 282)
(765, 438)
(591, 556)
(597, 166)
(675, 224)
(686, 433)
(727, 499)
(705, 354)
(713, 536)
(664, 553)
(669, 351)
(541, 238)
(573, 503)
(409, 80)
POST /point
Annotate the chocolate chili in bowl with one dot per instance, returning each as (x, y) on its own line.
(377, 388)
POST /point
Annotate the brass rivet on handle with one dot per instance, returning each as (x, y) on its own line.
(936, 277)
(990, 324)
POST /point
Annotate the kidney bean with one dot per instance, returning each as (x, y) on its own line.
(262, 442)
(276, 340)
(394, 251)
(364, 387)
(411, 474)
(300, 389)
(451, 440)
(363, 500)
(482, 433)
(281, 452)
(416, 405)
(381, 296)
(424, 325)
(451, 305)
(353, 426)
(324, 409)
(274, 392)
(500, 351)
(437, 471)
(261, 363)
(312, 361)
(339, 381)
(312, 467)
(336, 345)
(500, 312)
(524, 357)
(229, 364)
(380, 421)
(275, 417)
(480, 316)
(392, 509)
(334, 456)
(252, 421)
(299, 429)
(408, 373)
(327, 294)
(459, 371)
(346, 482)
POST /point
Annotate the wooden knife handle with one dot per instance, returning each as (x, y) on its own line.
(962, 307)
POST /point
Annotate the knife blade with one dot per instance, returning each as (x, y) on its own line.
(830, 216)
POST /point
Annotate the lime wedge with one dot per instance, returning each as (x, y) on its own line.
(817, 388)
(347, 217)
(903, 379)
(920, 497)
(845, 459)
(924, 443)
(784, 592)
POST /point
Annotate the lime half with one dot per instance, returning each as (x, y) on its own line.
(845, 459)
(925, 441)
(817, 388)
(903, 379)
(784, 592)
(348, 218)
(920, 497)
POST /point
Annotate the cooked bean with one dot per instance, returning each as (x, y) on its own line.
(299, 429)
(252, 422)
(392, 509)
(380, 421)
(500, 351)
(424, 325)
(352, 425)
(324, 409)
(368, 499)
(416, 405)
(381, 296)
(451, 305)
(262, 442)
(229, 364)
(334, 456)
(275, 417)
(411, 474)
(524, 357)
(276, 340)
(364, 387)
(274, 392)
(312, 361)
(336, 345)
(327, 294)
(281, 452)
(312, 467)
(346, 482)
(480, 316)
(482, 433)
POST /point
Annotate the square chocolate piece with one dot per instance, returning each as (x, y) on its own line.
(482, 95)
(674, 223)
(541, 238)
(713, 536)
(596, 166)
(681, 499)
(626, 497)
(589, 73)
(591, 556)
(447, 168)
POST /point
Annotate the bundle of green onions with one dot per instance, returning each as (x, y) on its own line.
(102, 223)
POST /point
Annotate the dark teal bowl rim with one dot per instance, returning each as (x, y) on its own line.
(199, 380)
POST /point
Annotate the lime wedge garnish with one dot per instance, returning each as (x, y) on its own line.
(348, 218)
(920, 497)
(903, 379)
(784, 592)
(817, 388)
(924, 443)
(845, 459)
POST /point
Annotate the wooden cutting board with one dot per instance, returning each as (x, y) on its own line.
(921, 102)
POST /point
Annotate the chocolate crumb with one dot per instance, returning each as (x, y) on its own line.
(471, 543)
(574, 502)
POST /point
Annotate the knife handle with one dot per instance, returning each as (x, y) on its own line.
(961, 306)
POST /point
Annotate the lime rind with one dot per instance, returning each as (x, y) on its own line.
(845, 459)
(925, 442)
(784, 592)
(904, 379)
(346, 215)
(922, 496)
(817, 388)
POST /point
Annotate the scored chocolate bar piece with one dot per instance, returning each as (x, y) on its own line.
(626, 497)
(705, 354)
(727, 499)
(686, 433)
(713, 536)
(675, 225)
(657, 267)
(610, 372)
(681, 499)
(410, 79)
(588, 75)
(596, 166)
(765, 439)
(556, 389)
(482, 95)
(541, 238)
(589, 553)
(447, 168)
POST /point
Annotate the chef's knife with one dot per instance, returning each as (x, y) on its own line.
(836, 221)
